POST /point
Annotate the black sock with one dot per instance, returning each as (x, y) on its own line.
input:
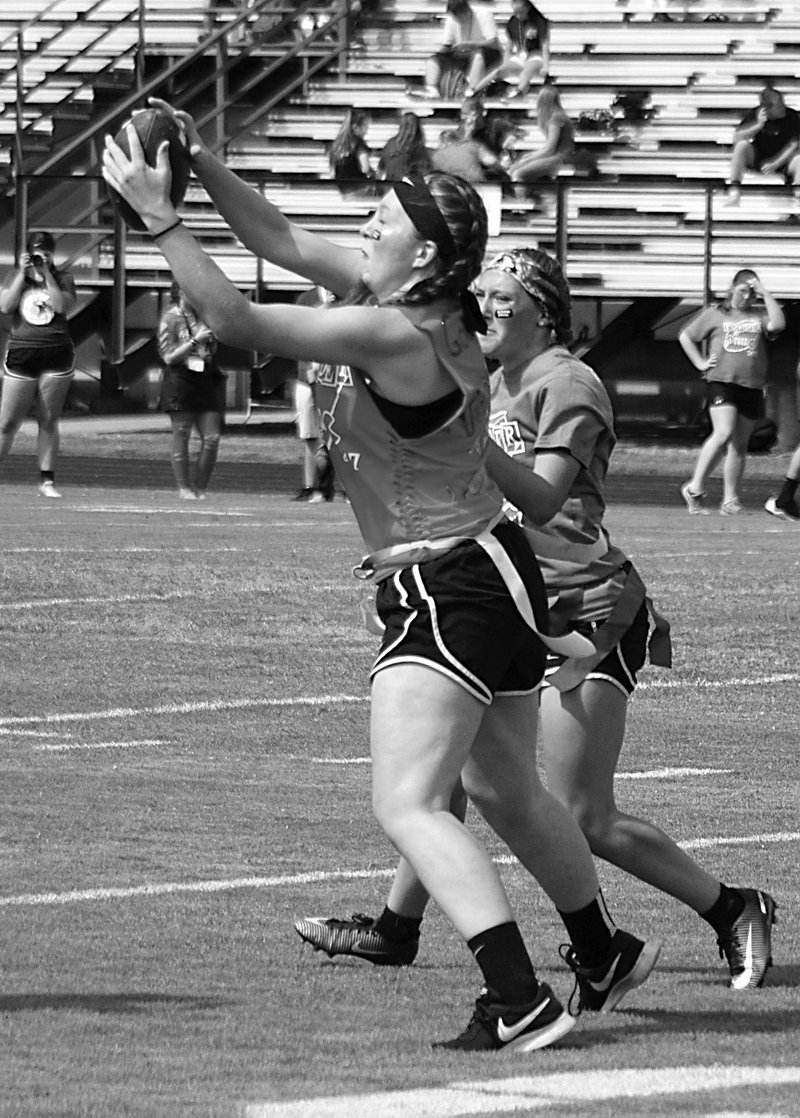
(728, 905)
(788, 490)
(506, 964)
(590, 930)
(48, 475)
(396, 928)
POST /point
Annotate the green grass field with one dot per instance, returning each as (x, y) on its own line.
(183, 733)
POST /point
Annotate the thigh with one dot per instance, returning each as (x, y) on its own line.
(742, 432)
(422, 726)
(209, 424)
(582, 735)
(723, 415)
(502, 762)
(182, 424)
(53, 391)
(17, 396)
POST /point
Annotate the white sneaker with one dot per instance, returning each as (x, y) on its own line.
(187, 494)
(730, 508)
(732, 198)
(48, 489)
(694, 501)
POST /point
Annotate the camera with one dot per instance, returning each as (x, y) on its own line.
(37, 259)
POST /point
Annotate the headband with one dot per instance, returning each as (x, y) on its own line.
(529, 276)
(426, 217)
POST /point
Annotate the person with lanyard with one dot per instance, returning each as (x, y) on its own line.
(403, 395)
(191, 393)
(40, 360)
(735, 369)
(552, 430)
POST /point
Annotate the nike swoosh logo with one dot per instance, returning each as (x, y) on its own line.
(748, 952)
(505, 1032)
(601, 987)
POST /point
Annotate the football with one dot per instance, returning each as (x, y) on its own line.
(153, 127)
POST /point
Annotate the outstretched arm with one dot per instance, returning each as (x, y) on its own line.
(259, 225)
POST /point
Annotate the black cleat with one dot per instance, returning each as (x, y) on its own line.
(356, 937)
(747, 943)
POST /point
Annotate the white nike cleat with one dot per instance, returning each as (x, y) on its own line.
(747, 944)
(629, 964)
(522, 1028)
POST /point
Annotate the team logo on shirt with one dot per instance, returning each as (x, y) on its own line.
(505, 433)
(36, 307)
(335, 376)
(741, 337)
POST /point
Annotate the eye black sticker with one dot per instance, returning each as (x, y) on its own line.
(504, 312)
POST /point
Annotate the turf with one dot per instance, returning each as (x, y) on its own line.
(183, 727)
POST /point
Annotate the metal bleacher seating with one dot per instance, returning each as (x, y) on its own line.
(639, 229)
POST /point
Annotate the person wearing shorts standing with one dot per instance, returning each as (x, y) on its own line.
(735, 334)
(40, 359)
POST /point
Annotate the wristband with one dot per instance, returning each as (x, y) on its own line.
(169, 229)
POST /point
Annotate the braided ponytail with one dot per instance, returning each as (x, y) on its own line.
(462, 208)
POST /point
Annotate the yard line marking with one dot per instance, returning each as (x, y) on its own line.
(64, 746)
(180, 708)
(312, 877)
(645, 774)
(155, 890)
(525, 1094)
(32, 733)
(155, 510)
(48, 602)
(322, 700)
(117, 550)
(663, 774)
(719, 684)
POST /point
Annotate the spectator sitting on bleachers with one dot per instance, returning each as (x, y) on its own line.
(558, 148)
(527, 53)
(405, 153)
(470, 47)
(350, 156)
(466, 157)
(766, 140)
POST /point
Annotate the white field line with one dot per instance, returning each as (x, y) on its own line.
(179, 708)
(47, 603)
(328, 700)
(527, 1094)
(119, 550)
(63, 747)
(154, 889)
(156, 510)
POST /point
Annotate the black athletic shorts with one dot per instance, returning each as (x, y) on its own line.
(623, 661)
(749, 402)
(32, 361)
(455, 614)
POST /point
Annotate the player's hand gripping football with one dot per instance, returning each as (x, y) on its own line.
(185, 122)
(144, 187)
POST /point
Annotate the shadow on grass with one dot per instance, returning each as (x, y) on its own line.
(104, 1003)
(677, 1022)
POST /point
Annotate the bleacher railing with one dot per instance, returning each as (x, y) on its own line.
(322, 47)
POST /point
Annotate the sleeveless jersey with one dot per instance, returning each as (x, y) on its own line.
(406, 490)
